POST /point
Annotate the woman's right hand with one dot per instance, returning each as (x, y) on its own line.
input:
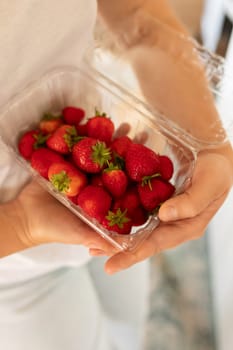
(37, 218)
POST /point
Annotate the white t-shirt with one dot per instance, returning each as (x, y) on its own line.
(37, 36)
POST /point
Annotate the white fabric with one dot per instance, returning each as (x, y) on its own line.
(76, 308)
(35, 37)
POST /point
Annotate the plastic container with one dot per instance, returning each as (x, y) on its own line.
(89, 89)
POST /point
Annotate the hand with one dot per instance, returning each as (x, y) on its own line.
(186, 216)
(44, 220)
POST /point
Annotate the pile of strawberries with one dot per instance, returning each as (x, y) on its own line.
(113, 179)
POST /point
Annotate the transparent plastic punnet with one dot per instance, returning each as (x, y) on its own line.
(89, 89)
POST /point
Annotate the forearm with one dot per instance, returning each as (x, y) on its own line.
(168, 68)
(10, 226)
(116, 13)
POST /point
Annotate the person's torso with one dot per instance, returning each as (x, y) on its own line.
(35, 37)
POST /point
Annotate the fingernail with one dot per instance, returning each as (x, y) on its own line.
(110, 270)
(96, 252)
(168, 214)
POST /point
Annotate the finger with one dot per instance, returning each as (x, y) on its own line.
(164, 237)
(96, 252)
(123, 130)
(141, 137)
(203, 191)
(72, 230)
(81, 235)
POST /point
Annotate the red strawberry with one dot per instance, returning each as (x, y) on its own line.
(166, 167)
(100, 127)
(82, 129)
(73, 199)
(115, 180)
(139, 216)
(95, 201)
(66, 178)
(63, 139)
(29, 142)
(91, 155)
(121, 145)
(97, 180)
(118, 222)
(155, 192)
(50, 123)
(141, 161)
(73, 115)
(130, 200)
(42, 159)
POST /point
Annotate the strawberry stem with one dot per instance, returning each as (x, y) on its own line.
(71, 137)
(101, 154)
(118, 218)
(110, 167)
(61, 181)
(98, 114)
(146, 180)
(40, 140)
(49, 116)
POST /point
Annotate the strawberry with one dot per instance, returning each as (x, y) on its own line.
(82, 129)
(141, 161)
(95, 201)
(50, 123)
(155, 192)
(139, 216)
(73, 115)
(115, 180)
(73, 199)
(63, 139)
(29, 142)
(166, 167)
(120, 145)
(43, 158)
(66, 178)
(91, 155)
(97, 180)
(118, 222)
(130, 200)
(100, 127)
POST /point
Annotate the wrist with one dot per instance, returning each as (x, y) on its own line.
(226, 152)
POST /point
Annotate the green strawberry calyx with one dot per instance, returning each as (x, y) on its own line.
(118, 160)
(118, 218)
(49, 116)
(40, 140)
(111, 167)
(71, 137)
(101, 154)
(146, 180)
(61, 181)
(99, 114)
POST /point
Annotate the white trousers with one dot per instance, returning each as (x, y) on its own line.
(76, 309)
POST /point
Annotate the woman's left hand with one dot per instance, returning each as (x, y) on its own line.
(186, 216)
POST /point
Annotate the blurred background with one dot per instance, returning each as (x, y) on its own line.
(209, 21)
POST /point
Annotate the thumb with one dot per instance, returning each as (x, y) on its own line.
(205, 189)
